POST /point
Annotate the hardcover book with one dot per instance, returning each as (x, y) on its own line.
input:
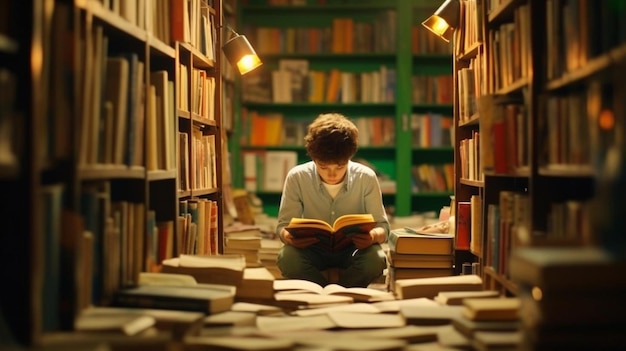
(403, 241)
(332, 237)
(208, 300)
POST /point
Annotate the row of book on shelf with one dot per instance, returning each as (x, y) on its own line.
(294, 81)
(344, 35)
(501, 144)
(432, 177)
(115, 115)
(281, 130)
(197, 169)
(432, 89)
(427, 129)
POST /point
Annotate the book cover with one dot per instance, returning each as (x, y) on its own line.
(217, 269)
(405, 241)
(430, 287)
(209, 300)
(491, 308)
(420, 260)
(332, 237)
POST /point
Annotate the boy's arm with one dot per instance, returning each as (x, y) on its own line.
(290, 206)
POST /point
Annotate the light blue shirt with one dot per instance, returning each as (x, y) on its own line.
(304, 195)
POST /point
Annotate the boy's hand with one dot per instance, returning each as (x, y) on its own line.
(299, 242)
(364, 240)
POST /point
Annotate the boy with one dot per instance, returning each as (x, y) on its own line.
(327, 187)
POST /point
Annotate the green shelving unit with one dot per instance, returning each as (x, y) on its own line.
(393, 160)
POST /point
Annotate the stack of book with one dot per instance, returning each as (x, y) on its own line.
(214, 269)
(243, 239)
(413, 254)
(268, 254)
(571, 298)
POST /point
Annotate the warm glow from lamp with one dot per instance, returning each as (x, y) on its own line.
(444, 21)
(247, 63)
(240, 53)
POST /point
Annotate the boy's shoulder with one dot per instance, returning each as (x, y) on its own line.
(355, 166)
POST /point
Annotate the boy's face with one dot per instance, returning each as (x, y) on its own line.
(331, 173)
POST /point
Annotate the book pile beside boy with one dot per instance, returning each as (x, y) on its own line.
(420, 253)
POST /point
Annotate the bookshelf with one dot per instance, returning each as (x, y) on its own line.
(92, 100)
(529, 141)
(390, 78)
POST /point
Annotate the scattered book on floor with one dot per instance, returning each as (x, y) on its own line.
(230, 319)
(257, 284)
(294, 286)
(403, 241)
(208, 300)
(216, 269)
(309, 300)
(236, 342)
(333, 236)
(125, 323)
(430, 287)
(457, 297)
(258, 308)
(330, 320)
(468, 327)
(496, 340)
(433, 315)
(410, 333)
(360, 307)
(177, 322)
(492, 308)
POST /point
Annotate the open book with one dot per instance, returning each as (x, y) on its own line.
(297, 286)
(332, 237)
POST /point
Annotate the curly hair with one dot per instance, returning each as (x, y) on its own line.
(331, 138)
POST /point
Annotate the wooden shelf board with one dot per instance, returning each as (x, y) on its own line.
(111, 172)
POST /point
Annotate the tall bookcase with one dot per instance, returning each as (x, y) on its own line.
(536, 84)
(387, 81)
(92, 99)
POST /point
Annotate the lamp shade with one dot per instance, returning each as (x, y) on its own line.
(445, 20)
(240, 53)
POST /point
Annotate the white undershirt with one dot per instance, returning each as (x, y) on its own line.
(333, 189)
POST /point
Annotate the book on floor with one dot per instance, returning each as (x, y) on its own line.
(215, 269)
(430, 287)
(457, 297)
(492, 308)
(208, 300)
(403, 241)
(333, 236)
(125, 323)
(257, 284)
(295, 286)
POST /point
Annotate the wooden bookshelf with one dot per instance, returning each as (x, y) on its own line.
(558, 191)
(89, 149)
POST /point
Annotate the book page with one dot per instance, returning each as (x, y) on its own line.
(285, 285)
(351, 219)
